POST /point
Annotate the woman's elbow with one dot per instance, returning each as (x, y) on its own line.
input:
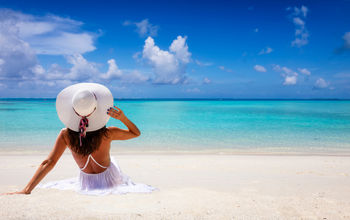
(135, 134)
(49, 163)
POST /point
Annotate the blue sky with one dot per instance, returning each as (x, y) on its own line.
(177, 49)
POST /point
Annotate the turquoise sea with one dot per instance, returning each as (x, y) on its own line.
(232, 125)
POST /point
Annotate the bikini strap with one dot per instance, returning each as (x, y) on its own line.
(87, 162)
(96, 162)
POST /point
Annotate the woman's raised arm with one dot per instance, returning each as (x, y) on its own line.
(118, 133)
(47, 165)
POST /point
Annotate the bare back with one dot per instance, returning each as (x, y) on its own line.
(101, 155)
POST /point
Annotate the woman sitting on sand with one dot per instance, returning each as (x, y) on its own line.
(85, 109)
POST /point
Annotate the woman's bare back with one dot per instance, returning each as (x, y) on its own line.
(101, 155)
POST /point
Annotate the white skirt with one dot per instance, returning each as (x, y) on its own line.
(110, 181)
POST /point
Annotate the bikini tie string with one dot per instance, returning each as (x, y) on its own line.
(83, 124)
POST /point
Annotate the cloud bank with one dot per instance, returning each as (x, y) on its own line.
(24, 36)
(48, 34)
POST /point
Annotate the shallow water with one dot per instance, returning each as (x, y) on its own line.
(293, 125)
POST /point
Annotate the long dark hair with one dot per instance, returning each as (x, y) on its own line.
(90, 142)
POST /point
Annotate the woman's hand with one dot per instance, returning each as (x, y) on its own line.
(18, 192)
(116, 113)
(122, 134)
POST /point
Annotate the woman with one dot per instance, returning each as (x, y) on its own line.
(85, 109)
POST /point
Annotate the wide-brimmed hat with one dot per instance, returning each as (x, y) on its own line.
(84, 101)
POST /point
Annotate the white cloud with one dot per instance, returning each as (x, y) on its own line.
(64, 43)
(260, 68)
(290, 80)
(193, 90)
(266, 50)
(134, 77)
(346, 43)
(113, 71)
(304, 71)
(301, 32)
(290, 76)
(3, 86)
(199, 63)
(48, 34)
(303, 10)
(301, 41)
(143, 28)
(17, 57)
(1, 63)
(137, 56)
(23, 36)
(180, 49)
(225, 69)
(321, 83)
(81, 69)
(342, 75)
(38, 70)
(346, 39)
(59, 83)
(284, 70)
(206, 80)
(298, 21)
(54, 72)
(169, 67)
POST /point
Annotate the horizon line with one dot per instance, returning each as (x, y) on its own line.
(205, 99)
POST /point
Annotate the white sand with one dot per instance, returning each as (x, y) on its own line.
(190, 187)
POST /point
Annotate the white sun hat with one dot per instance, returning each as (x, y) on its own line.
(84, 100)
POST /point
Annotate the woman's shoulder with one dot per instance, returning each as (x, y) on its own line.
(64, 134)
(110, 129)
(108, 132)
(64, 131)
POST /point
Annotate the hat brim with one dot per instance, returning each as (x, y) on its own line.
(97, 119)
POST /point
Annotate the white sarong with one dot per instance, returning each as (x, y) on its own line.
(110, 181)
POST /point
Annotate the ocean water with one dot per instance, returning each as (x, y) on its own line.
(237, 125)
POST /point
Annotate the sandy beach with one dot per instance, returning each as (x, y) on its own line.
(190, 186)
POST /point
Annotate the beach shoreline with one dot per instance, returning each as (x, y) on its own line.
(196, 151)
(190, 186)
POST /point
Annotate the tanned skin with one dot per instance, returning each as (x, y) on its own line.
(101, 154)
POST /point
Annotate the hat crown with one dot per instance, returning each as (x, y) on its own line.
(84, 102)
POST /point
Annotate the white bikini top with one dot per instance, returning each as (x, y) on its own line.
(93, 159)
